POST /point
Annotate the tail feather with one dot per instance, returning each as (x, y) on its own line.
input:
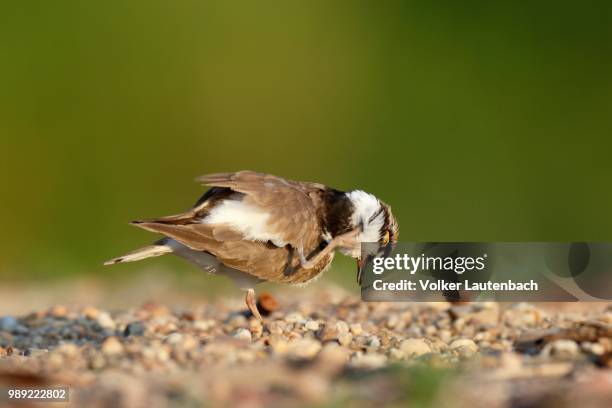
(141, 253)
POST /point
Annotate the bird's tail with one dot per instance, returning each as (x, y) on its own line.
(150, 251)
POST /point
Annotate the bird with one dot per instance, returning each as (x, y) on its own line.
(254, 227)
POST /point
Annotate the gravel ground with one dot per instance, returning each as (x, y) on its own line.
(324, 348)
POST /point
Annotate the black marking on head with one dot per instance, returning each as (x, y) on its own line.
(389, 224)
(376, 214)
(336, 213)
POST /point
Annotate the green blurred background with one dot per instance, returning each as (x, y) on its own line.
(475, 120)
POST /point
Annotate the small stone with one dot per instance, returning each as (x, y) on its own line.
(243, 334)
(593, 348)
(112, 346)
(134, 329)
(523, 314)
(327, 333)
(396, 353)
(373, 342)
(464, 347)
(8, 323)
(34, 352)
(105, 321)
(342, 327)
(67, 349)
(392, 321)
(266, 304)
(174, 338)
(162, 354)
(345, 339)
(190, 342)
(414, 347)
(58, 311)
(276, 327)
(332, 359)
(303, 348)
(445, 336)
(562, 348)
(278, 344)
(294, 317)
(312, 325)
(90, 312)
(204, 325)
(237, 320)
(510, 362)
(369, 361)
(356, 329)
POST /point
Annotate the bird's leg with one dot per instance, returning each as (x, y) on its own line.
(252, 304)
(347, 239)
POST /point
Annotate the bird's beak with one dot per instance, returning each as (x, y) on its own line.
(361, 263)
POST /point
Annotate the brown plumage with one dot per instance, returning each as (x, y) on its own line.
(259, 227)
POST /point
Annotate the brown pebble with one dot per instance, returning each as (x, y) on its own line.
(267, 304)
(90, 312)
(58, 311)
(112, 346)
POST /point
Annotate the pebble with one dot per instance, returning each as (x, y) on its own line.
(303, 348)
(392, 321)
(294, 317)
(58, 311)
(312, 325)
(34, 352)
(8, 323)
(373, 342)
(105, 320)
(356, 329)
(369, 361)
(174, 338)
(465, 347)
(327, 333)
(342, 327)
(396, 353)
(594, 348)
(562, 348)
(345, 339)
(414, 347)
(204, 325)
(522, 315)
(90, 312)
(112, 346)
(278, 344)
(332, 358)
(312, 341)
(243, 334)
(134, 329)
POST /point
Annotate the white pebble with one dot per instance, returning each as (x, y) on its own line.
(243, 334)
(414, 347)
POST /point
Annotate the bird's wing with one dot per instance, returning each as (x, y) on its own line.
(292, 214)
(262, 260)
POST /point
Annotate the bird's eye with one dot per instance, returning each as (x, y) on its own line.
(385, 238)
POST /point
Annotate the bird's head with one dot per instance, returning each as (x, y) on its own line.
(372, 221)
